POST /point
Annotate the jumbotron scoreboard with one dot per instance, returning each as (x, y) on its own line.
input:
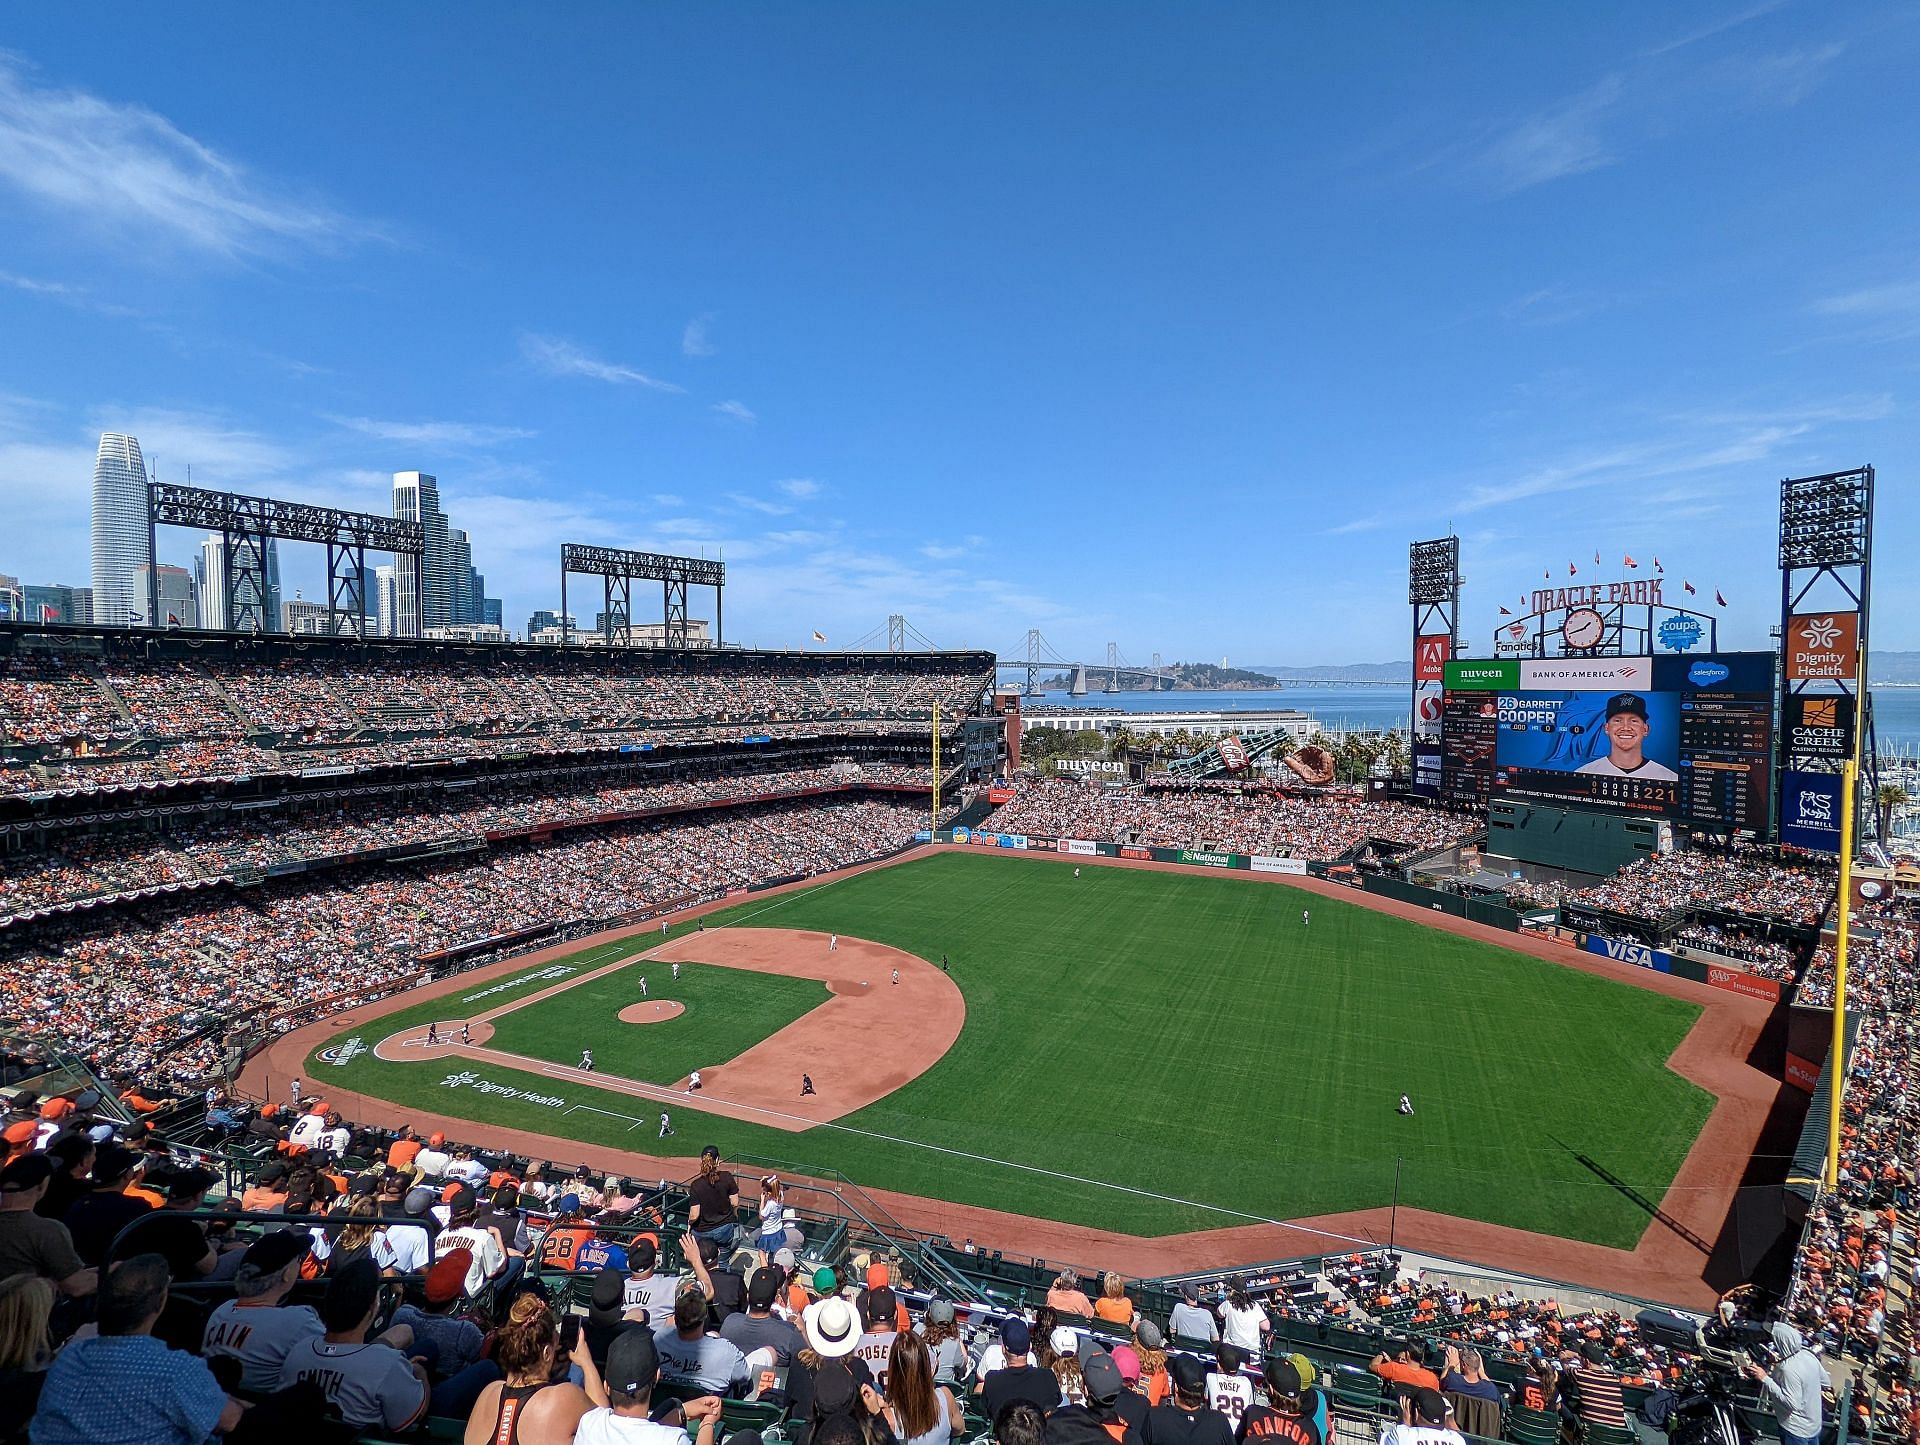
(1677, 737)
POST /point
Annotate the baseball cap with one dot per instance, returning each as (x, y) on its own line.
(364, 1184)
(1303, 1367)
(763, 1288)
(633, 1364)
(1595, 1352)
(461, 1200)
(271, 1253)
(834, 1390)
(1102, 1377)
(881, 1306)
(1015, 1337)
(111, 1160)
(1189, 1374)
(1430, 1406)
(1148, 1333)
(1190, 1292)
(56, 1108)
(825, 1281)
(192, 1180)
(1627, 702)
(447, 1276)
(436, 1139)
(1126, 1360)
(350, 1294)
(1283, 1378)
(609, 1298)
(711, 1151)
(1065, 1341)
(21, 1133)
(569, 1204)
(939, 1312)
(29, 1171)
(419, 1199)
(831, 1327)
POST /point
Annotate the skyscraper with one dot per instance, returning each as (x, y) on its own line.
(210, 581)
(174, 588)
(120, 546)
(460, 603)
(416, 498)
(384, 609)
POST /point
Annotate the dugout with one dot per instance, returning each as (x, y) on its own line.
(1572, 839)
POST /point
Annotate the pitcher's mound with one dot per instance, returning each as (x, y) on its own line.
(652, 1011)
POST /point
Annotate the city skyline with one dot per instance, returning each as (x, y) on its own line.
(896, 341)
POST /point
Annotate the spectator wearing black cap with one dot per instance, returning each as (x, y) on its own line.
(1100, 1420)
(258, 1327)
(1282, 1418)
(725, 1289)
(490, 1261)
(1192, 1320)
(1229, 1390)
(649, 1296)
(1018, 1378)
(759, 1328)
(632, 1370)
(72, 1156)
(98, 1216)
(878, 1308)
(369, 1382)
(31, 1243)
(171, 1232)
(1423, 1421)
(1183, 1417)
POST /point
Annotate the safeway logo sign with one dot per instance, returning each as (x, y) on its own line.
(1430, 656)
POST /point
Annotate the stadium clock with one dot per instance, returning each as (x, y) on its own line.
(1584, 628)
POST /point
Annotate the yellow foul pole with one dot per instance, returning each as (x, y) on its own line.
(935, 823)
(1837, 1055)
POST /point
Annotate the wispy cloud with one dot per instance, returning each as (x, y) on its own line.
(1889, 312)
(738, 410)
(78, 297)
(557, 357)
(1554, 306)
(760, 505)
(667, 499)
(1358, 524)
(1654, 96)
(941, 552)
(1717, 27)
(112, 165)
(800, 488)
(433, 433)
(694, 341)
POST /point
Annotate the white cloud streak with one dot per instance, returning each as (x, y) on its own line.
(454, 434)
(737, 410)
(799, 488)
(694, 341)
(120, 167)
(558, 357)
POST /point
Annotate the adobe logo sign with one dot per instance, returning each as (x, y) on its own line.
(1823, 645)
(1430, 656)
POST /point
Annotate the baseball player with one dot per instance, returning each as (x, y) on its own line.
(663, 928)
(833, 942)
(433, 1033)
(676, 973)
(806, 1085)
(666, 1124)
(693, 1081)
(896, 975)
(643, 985)
(586, 1060)
(1306, 917)
(466, 1033)
(296, 1093)
(1406, 1105)
(1076, 873)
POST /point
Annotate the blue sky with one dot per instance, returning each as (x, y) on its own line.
(1166, 325)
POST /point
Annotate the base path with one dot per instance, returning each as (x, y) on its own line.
(905, 1012)
(1668, 1263)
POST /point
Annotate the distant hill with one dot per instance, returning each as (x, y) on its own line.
(1351, 671)
(1894, 667)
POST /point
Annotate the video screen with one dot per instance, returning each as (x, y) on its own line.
(1618, 749)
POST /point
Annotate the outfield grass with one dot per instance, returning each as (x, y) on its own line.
(1182, 1038)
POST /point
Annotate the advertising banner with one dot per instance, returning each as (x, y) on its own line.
(1823, 645)
(1040, 845)
(1233, 753)
(1803, 1074)
(1820, 725)
(1618, 749)
(1810, 810)
(1620, 950)
(997, 796)
(925, 835)
(1513, 640)
(1430, 657)
(1426, 769)
(1090, 766)
(1205, 859)
(1499, 675)
(962, 835)
(1585, 674)
(1736, 980)
(1429, 705)
(1011, 840)
(1079, 847)
(1130, 851)
(1264, 864)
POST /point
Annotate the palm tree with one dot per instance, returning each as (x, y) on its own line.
(1890, 799)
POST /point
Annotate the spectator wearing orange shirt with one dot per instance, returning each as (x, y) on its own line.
(400, 1153)
(1405, 1369)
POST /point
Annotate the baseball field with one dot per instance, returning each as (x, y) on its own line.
(1140, 1051)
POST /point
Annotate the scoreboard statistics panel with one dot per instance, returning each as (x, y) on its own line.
(1726, 737)
(1468, 723)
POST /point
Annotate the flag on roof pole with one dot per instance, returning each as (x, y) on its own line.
(819, 637)
(1629, 560)
(1596, 556)
(1547, 573)
(1656, 565)
(1691, 589)
(1718, 598)
(1572, 571)
(1505, 613)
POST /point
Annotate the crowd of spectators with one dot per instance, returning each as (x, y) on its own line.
(80, 866)
(151, 986)
(1278, 825)
(1744, 881)
(71, 721)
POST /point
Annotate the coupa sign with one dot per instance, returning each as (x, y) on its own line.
(1637, 954)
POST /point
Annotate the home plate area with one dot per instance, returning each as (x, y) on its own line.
(905, 1022)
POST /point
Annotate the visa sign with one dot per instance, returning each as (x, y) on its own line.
(1620, 950)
